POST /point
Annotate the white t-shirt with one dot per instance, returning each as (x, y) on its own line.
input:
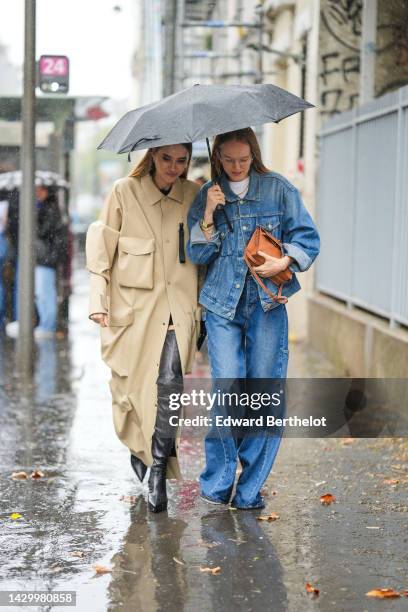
(240, 188)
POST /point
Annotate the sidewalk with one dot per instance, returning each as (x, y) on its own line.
(64, 427)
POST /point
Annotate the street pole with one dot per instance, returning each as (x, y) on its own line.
(26, 250)
(170, 47)
(180, 45)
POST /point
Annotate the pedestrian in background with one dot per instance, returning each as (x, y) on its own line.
(144, 297)
(247, 330)
(48, 255)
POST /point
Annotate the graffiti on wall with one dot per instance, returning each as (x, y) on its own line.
(392, 52)
(340, 41)
(340, 37)
(341, 15)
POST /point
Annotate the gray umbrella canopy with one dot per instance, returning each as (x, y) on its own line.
(201, 111)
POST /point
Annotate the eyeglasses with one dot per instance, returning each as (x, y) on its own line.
(231, 162)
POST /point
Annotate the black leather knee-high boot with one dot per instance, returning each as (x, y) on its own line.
(170, 381)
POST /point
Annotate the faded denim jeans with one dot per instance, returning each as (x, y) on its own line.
(45, 282)
(253, 349)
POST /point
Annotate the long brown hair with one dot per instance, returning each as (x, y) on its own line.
(146, 164)
(245, 135)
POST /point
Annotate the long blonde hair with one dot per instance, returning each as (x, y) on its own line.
(146, 164)
(245, 135)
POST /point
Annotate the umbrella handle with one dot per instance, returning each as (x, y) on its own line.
(220, 207)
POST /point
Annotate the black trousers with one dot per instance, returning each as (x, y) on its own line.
(169, 381)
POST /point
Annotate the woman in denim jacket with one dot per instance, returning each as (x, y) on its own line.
(247, 330)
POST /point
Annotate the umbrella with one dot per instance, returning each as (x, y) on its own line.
(201, 111)
(13, 180)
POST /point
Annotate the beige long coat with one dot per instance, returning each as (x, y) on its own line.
(136, 278)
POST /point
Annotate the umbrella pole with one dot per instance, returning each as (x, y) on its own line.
(209, 149)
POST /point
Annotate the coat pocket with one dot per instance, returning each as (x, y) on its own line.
(115, 348)
(135, 262)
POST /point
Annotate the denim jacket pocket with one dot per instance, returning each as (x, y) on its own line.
(213, 272)
(271, 223)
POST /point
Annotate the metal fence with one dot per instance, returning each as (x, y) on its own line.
(362, 207)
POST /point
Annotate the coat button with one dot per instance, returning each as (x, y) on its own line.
(237, 285)
(244, 227)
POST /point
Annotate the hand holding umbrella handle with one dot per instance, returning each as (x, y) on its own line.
(220, 207)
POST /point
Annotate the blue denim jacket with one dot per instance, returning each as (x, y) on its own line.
(271, 202)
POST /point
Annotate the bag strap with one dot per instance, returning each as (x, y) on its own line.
(281, 299)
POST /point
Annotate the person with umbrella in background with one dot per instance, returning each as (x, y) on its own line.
(48, 246)
(144, 297)
(247, 328)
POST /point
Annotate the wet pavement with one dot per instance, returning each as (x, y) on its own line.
(90, 509)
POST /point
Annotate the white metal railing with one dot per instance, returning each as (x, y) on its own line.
(362, 208)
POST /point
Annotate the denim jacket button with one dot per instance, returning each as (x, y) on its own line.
(237, 285)
(244, 227)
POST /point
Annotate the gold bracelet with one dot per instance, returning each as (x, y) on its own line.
(205, 226)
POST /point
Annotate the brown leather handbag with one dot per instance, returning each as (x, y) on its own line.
(261, 240)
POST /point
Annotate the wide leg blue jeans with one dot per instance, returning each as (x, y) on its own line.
(254, 345)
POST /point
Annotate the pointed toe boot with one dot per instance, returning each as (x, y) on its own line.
(138, 466)
(157, 499)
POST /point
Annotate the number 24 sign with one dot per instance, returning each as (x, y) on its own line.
(54, 65)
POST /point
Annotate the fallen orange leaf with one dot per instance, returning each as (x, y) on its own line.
(311, 589)
(37, 474)
(19, 476)
(208, 544)
(327, 499)
(383, 593)
(347, 441)
(211, 570)
(131, 499)
(391, 481)
(271, 517)
(101, 569)
(405, 592)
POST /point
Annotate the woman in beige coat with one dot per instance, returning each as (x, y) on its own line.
(144, 297)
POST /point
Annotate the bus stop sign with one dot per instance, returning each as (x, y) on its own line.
(53, 72)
